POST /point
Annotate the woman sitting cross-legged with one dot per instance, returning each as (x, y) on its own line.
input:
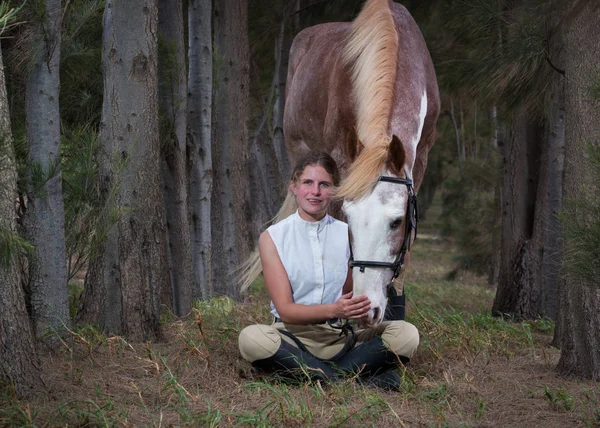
(304, 261)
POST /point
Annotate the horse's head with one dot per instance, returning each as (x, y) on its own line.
(377, 223)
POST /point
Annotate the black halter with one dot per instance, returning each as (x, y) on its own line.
(411, 219)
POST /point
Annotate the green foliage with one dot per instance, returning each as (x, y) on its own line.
(471, 212)
(167, 79)
(7, 14)
(81, 47)
(560, 399)
(580, 219)
(90, 209)
(594, 88)
(86, 221)
(12, 412)
(286, 407)
(103, 412)
(494, 49)
(75, 290)
(12, 246)
(217, 312)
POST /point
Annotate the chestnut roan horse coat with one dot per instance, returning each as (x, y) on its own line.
(366, 92)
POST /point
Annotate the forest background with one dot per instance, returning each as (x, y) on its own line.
(138, 134)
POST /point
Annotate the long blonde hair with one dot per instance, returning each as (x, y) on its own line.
(251, 268)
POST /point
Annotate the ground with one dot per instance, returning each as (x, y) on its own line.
(471, 369)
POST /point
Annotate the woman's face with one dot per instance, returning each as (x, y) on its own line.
(313, 191)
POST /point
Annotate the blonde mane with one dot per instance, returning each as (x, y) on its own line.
(371, 52)
(364, 172)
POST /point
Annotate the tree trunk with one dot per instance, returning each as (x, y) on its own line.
(230, 212)
(172, 97)
(516, 294)
(122, 284)
(579, 312)
(200, 82)
(45, 221)
(497, 140)
(18, 360)
(282, 54)
(548, 230)
(456, 136)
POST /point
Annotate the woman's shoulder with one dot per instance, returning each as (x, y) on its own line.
(281, 224)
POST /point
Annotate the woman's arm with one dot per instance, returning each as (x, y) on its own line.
(280, 290)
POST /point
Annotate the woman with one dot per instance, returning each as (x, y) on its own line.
(304, 261)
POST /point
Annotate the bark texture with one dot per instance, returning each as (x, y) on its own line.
(45, 220)
(531, 202)
(200, 82)
(173, 110)
(18, 360)
(230, 213)
(515, 294)
(282, 54)
(122, 284)
(580, 305)
(548, 231)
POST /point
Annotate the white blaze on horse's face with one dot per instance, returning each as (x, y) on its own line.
(377, 229)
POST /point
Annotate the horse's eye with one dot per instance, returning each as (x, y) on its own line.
(396, 223)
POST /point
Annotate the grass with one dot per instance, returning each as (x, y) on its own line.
(471, 370)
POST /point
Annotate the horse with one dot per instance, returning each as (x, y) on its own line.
(365, 92)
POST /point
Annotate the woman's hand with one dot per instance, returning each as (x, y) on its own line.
(351, 308)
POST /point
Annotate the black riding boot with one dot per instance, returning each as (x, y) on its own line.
(373, 362)
(389, 380)
(292, 362)
(395, 308)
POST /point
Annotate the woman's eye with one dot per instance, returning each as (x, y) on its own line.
(396, 223)
(325, 185)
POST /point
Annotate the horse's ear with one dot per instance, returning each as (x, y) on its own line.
(396, 156)
(353, 145)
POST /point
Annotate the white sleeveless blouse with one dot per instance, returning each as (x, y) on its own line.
(315, 256)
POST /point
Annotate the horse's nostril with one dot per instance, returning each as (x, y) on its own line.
(375, 313)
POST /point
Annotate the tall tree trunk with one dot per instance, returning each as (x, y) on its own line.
(516, 294)
(282, 54)
(200, 83)
(122, 284)
(550, 203)
(18, 360)
(230, 212)
(45, 222)
(173, 105)
(497, 140)
(579, 312)
(456, 136)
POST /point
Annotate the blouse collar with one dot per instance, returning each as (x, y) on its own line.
(318, 225)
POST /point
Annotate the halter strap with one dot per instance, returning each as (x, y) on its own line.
(410, 220)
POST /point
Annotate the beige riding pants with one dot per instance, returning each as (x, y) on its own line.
(260, 341)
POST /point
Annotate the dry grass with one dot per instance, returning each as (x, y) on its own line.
(471, 370)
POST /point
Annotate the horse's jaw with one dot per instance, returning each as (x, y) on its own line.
(371, 284)
(369, 221)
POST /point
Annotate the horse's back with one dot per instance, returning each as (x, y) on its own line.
(320, 107)
(313, 108)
